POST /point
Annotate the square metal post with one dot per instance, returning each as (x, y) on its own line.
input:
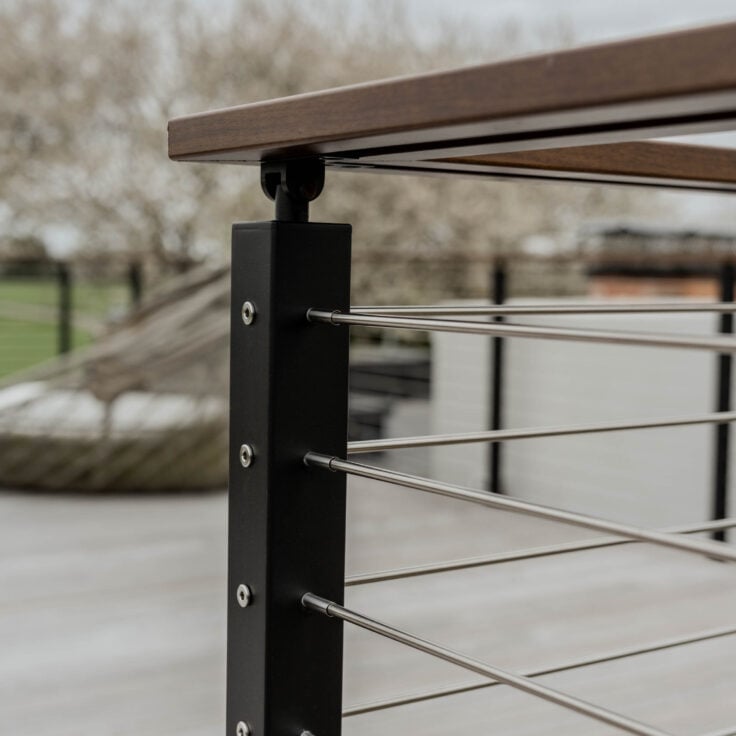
(288, 395)
(64, 279)
(498, 296)
(723, 403)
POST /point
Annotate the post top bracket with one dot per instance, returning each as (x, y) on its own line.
(292, 185)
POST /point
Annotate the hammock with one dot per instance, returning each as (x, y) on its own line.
(144, 409)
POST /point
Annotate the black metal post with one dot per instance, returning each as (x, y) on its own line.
(498, 287)
(64, 279)
(723, 403)
(135, 283)
(288, 395)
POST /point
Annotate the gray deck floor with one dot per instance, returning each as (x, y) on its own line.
(112, 620)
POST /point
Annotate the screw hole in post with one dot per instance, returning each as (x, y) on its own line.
(248, 312)
(244, 595)
(246, 455)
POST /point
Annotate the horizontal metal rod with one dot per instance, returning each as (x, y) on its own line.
(520, 682)
(706, 548)
(570, 334)
(362, 709)
(538, 309)
(468, 563)
(504, 435)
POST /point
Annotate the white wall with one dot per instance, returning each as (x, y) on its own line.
(652, 477)
(460, 395)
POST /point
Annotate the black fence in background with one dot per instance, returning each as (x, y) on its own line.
(726, 275)
(723, 403)
(47, 293)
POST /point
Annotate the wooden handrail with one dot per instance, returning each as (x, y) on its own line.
(498, 119)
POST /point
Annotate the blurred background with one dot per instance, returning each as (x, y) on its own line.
(114, 290)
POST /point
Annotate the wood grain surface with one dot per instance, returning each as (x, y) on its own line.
(647, 162)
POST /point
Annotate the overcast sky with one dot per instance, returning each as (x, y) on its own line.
(591, 20)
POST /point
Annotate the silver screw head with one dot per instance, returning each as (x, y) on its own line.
(246, 455)
(248, 313)
(242, 729)
(244, 595)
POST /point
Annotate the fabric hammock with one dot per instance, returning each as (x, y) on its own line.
(144, 409)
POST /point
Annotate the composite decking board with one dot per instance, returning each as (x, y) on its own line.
(112, 619)
(659, 85)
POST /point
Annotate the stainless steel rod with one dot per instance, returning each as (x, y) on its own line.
(468, 563)
(363, 708)
(499, 329)
(510, 310)
(707, 548)
(328, 608)
(504, 435)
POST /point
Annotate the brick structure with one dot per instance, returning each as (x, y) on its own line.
(637, 261)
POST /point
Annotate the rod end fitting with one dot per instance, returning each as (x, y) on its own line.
(317, 460)
(314, 603)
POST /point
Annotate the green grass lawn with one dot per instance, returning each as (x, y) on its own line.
(24, 343)
(91, 299)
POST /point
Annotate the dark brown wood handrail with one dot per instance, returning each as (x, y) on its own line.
(549, 114)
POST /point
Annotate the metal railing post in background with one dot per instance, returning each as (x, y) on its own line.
(498, 283)
(64, 280)
(723, 403)
(135, 283)
(288, 394)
